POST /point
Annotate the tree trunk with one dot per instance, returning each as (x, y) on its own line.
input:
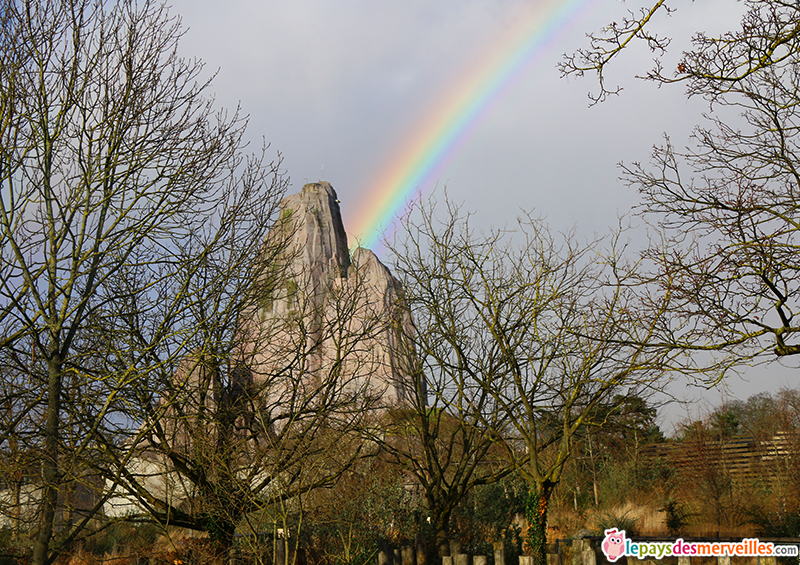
(443, 534)
(50, 467)
(221, 530)
(17, 513)
(536, 513)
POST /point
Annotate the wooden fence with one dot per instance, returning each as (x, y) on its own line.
(584, 551)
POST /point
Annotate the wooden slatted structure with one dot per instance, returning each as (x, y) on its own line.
(741, 457)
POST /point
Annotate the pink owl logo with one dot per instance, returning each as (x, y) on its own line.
(614, 544)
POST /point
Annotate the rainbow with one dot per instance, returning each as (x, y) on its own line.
(449, 122)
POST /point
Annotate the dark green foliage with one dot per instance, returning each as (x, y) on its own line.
(725, 424)
(485, 516)
(512, 543)
(678, 516)
(495, 506)
(536, 514)
(778, 525)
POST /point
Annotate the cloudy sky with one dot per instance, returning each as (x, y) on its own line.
(339, 87)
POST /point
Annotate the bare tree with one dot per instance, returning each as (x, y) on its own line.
(532, 337)
(715, 67)
(189, 401)
(611, 40)
(111, 158)
(727, 204)
(439, 442)
(283, 372)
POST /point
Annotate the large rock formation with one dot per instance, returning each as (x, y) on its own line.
(321, 315)
(318, 352)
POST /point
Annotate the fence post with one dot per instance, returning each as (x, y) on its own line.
(526, 560)
(280, 551)
(422, 549)
(499, 553)
(408, 555)
(588, 556)
(577, 551)
(461, 559)
(384, 552)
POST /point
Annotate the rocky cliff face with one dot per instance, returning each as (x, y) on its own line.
(318, 243)
(324, 323)
(321, 345)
